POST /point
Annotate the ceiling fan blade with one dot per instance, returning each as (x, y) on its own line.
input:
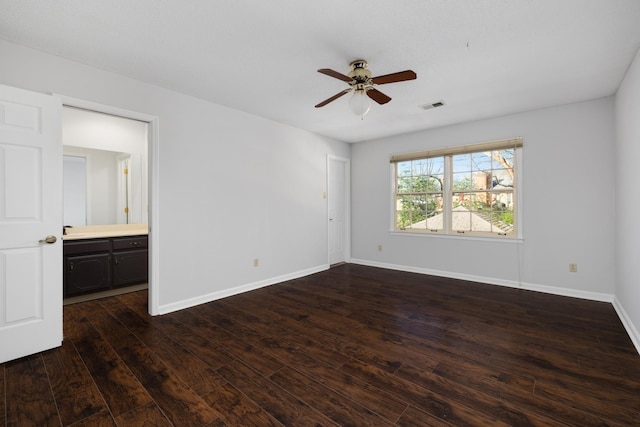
(394, 77)
(333, 98)
(335, 74)
(378, 96)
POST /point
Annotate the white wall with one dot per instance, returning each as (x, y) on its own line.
(568, 207)
(232, 186)
(627, 251)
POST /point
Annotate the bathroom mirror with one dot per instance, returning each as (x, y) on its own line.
(101, 187)
(105, 169)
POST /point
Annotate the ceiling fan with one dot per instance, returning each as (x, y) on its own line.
(362, 85)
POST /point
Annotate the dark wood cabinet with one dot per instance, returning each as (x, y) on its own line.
(94, 265)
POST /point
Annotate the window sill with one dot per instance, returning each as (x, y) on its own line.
(467, 237)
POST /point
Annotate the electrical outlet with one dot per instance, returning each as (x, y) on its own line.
(256, 262)
(573, 268)
(379, 248)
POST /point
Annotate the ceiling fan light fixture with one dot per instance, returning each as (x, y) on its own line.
(360, 103)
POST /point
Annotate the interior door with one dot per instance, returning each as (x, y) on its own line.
(337, 209)
(30, 223)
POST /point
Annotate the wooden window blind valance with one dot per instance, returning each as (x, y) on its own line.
(463, 149)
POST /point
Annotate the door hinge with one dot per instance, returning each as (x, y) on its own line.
(126, 171)
(126, 210)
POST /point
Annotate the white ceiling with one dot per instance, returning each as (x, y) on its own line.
(484, 58)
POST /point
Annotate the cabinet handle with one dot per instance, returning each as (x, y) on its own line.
(135, 243)
(70, 266)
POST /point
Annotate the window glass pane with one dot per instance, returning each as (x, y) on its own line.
(436, 182)
(411, 211)
(435, 216)
(462, 181)
(502, 159)
(435, 166)
(481, 180)
(419, 167)
(404, 184)
(502, 207)
(502, 179)
(460, 219)
(419, 184)
(480, 223)
(460, 199)
(403, 168)
(434, 203)
(461, 163)
(480, 161)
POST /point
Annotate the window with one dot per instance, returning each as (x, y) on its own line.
(470, 190)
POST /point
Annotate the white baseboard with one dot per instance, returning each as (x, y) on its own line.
(628, 324)
(554, 290)
(191, 302)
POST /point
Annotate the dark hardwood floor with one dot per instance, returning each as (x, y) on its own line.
(350, 346)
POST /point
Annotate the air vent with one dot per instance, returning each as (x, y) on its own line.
(433, 105)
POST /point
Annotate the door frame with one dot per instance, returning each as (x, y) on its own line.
(347, 206)
(153, 163)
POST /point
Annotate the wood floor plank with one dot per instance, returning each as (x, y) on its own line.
(3, 406)
(30, 401)
(146, 415)
(473, 398)
(423, 398)
(356, 342)
(273, 335)
(179, 403)
(236, 409)
(353, 345)
(119, 387)
(101, 419)
(388, 406)
(470, 375)
(414, 417)
(279, 403)
(193, 371)
(335, 406)
(77, 396)
(214, 335)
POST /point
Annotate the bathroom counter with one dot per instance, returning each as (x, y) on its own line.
(103, 231)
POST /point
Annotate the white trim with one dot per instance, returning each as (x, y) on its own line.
(153, 213)
(443, 235)
(191, 302)
(447, 196)
(627, 323)
(153, 162)
(554, 290)
(347, 205)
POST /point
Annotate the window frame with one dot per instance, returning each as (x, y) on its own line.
(447, 204)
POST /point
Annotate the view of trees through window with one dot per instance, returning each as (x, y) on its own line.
(467, 192)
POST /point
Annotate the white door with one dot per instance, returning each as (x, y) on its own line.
(30, 210)
(338, 208)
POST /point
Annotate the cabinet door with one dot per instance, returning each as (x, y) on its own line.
(87, 273)
(130, 267)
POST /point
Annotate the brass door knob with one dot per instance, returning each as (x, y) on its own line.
(49, 239)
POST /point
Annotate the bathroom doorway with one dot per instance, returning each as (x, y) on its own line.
(115, 147)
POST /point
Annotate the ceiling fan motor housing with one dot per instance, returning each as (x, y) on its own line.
(359, 71)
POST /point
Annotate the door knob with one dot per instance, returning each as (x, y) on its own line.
(49, 239)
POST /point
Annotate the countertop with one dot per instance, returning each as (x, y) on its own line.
(103, 231)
